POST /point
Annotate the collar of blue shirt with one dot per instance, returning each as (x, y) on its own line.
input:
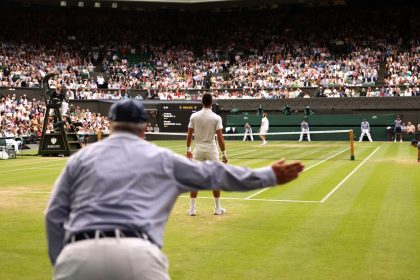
(122, 134)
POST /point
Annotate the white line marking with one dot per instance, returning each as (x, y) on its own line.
(32, 162)
(37, 167)
(257, 199)
(324, 160)
(348, 176)
(229, 155)
(237, 154)
(306, 169)
(257, 193)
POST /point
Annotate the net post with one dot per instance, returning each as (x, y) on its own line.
(351, 144)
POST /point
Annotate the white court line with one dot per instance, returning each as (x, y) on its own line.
(348, 176)
(237, 154)
(37, 167)
(229, 155)
(32, 162)
(233, 198)
(257, 199)
(306, 169)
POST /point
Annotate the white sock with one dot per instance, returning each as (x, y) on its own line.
(217, 203)
(192, 203)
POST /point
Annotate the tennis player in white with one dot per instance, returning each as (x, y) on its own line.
(205, 124)
(264, 128)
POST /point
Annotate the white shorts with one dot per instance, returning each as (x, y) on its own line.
(112, 258)
(263, 131)
(206, 154)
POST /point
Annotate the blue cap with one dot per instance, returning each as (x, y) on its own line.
(127, 111)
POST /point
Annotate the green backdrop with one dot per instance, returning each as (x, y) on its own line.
(291, 123)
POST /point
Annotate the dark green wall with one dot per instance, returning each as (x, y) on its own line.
(282, 123)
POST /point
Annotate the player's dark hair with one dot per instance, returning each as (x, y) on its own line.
(207, 99)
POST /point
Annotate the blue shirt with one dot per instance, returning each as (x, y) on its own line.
(126, 182)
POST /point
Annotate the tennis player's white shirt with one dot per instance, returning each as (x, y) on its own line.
(264, 125)
(205, 124)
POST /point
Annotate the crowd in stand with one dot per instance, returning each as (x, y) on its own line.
(269, 55)
(21, 117)
(403, 68)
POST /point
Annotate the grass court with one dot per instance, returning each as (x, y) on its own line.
(341, 219)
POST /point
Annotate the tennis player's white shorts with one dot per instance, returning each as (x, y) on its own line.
(263, 131)
(206, 154)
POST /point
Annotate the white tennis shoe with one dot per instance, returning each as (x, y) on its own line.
(219, 211)
(191, 212)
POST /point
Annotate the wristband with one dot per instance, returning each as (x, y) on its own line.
(189, 149)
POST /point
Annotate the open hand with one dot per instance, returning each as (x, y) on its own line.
(286, 172)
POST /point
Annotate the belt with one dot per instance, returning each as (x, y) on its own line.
(108, 233)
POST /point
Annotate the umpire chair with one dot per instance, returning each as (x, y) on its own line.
(63, 139)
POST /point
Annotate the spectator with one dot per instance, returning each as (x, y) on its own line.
(156, 128)
(410, 129)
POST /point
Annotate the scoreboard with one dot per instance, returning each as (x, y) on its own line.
(175, 117)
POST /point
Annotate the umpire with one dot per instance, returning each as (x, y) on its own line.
(109, 207)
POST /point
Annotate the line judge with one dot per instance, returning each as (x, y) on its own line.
(109, 207)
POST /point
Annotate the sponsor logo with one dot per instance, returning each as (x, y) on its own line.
(53, 146)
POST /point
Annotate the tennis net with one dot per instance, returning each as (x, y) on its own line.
(249, 146)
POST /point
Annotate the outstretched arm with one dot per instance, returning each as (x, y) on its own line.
(212, 175)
